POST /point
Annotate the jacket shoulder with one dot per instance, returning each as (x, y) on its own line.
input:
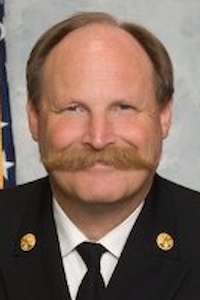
(18, 204)
(182, 193)
(14, 198)
(185, 201)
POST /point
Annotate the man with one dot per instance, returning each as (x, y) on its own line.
(99, 106)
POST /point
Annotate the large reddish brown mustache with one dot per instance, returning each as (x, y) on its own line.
(80, 159)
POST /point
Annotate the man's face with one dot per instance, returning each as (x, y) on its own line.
(99, 127)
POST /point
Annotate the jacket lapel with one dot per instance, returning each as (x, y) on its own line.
(145, 271)
(36, 273)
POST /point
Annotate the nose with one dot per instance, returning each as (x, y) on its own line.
(99, 132)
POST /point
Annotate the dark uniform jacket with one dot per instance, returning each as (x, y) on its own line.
(161, 259)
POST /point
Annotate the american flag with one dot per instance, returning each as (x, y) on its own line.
(7, 153)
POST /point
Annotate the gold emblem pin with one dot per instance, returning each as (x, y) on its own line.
(27, 242)
(165, 241)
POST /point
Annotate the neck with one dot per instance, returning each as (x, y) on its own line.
(95, 220)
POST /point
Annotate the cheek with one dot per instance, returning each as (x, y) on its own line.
(133, 132)
(59, 134)
(144, 134)
(153, 142)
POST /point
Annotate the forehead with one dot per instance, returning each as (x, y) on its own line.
(98, 61)
(99, 39)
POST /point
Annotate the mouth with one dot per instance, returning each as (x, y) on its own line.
(100, 166)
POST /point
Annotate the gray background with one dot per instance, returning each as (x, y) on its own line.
(175, 22)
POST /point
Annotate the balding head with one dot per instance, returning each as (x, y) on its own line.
(163, 75)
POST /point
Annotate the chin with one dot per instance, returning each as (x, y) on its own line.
(112, 193)
(101, 188)
(99, 198)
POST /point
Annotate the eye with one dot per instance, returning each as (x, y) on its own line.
(73, 107)
(125, 107)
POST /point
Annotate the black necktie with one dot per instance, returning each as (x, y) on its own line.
(92, 286)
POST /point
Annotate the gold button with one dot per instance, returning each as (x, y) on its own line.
(165, 241)
(27, 242)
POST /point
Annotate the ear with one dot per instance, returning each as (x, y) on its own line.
(33, 119)
(165, 118)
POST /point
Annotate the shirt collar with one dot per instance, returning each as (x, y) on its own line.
(70, 236)
(115, 240)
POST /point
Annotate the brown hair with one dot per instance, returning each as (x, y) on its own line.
(152, 46)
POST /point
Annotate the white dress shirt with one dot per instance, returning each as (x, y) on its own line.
(70, 237)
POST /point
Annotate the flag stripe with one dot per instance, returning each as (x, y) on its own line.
(7, 164)
(1, 156)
